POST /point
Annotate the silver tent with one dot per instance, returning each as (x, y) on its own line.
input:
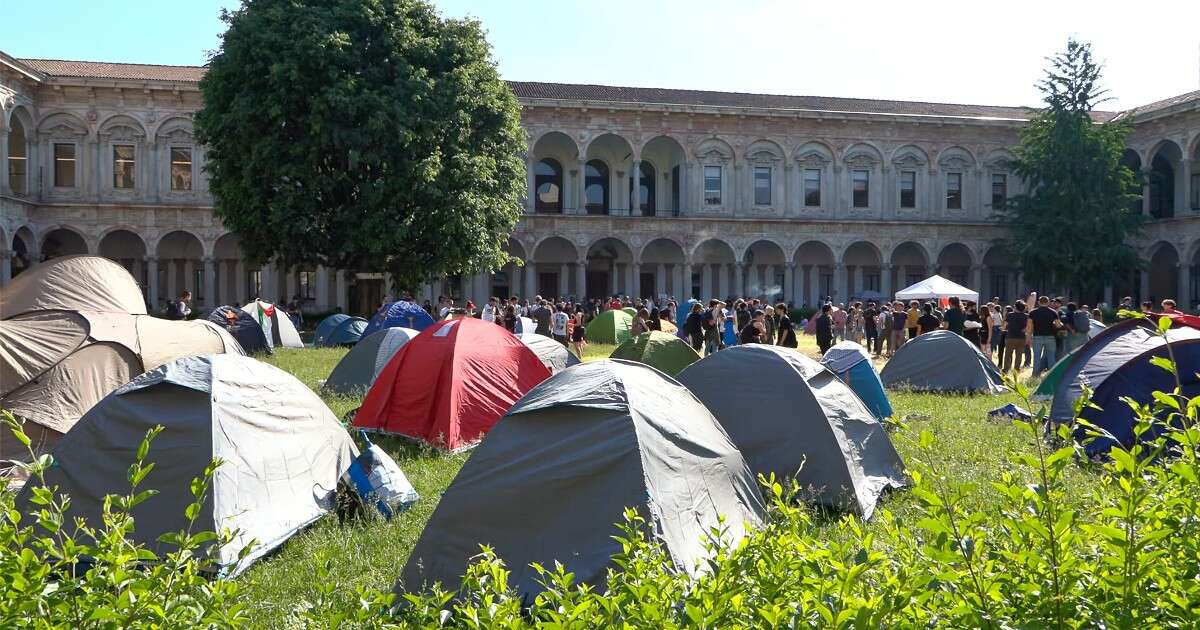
(283, 452)
(791, 416)
(553, 354)
(356, 372)
(941, 361)
(552, 479)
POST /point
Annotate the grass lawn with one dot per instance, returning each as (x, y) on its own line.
(969, 447)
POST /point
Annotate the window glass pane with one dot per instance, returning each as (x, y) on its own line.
(762, 185)
(712, 185)
(307, 280)
(181, 168)
(999, 189)
(64, 165)
(122, 166)
(547, 182)
(596, 187)
(908, 189)
(812, 187)
(17, 166)
(954, 191)
(862, 188)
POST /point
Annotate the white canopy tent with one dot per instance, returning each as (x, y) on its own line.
(936, 287)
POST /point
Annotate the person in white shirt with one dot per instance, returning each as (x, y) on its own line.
(489, 310)
(558, 325)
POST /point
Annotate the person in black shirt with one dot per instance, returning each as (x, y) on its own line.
(693, 327)
(825, 329)
(871, 328)
(928, 322)
(753, 331)
(1014, 338)
(785, 335)
(1045, 328)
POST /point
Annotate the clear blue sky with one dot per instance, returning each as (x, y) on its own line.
(967, 52)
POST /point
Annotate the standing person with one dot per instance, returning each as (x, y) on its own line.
(509, 319)
(928, 322)
(825, 328)
(711, 322)
(1078, 325)
(742, 312)
(955, 317)
(179, 309)
(975, 331)
(899, 327)
(1014, 338)
(754, 330)
(770, 322)
(1045, 330)
(785, 335)
(871, 327)
(914, 313)
(489, 310)
(694, 328)
(885, 330)
(541, 318)
(640, 324)
(558, 324)
(839, 316)
(578, 331)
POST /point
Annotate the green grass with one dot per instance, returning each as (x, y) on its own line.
(968, 447)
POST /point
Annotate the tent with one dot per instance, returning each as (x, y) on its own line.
(683, 310)
(662, 351)
(1099, 358)
(1052, 377)
(553, 479)
(451, 383)
(792, 417)
(1095, 328)
(357, 370)
(400, 313)
(73, 283)
(282, 451)
(941, 361)
(1138, 379)
(667, 326)
(241, 326)
(339, 329)
(631, 310)
(526, 326)
(55, 365)
(936, 287)
(553, 355)
(279, 331)
(611, 326)
(852, 364)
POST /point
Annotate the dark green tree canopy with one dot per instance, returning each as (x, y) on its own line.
(362, 134)
(1072, 228)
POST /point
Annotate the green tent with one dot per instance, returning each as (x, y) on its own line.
(1045, 390)
(610, 327)
(632, 311)
(663, 351)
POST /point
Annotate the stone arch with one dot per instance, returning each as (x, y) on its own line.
(1166, 183)
(174, 128)
(63, 240)
(180, 256)
(668, 156)
(815, 264)
(617, 154)
(910, 263)
(1001, 273)
(910, 155)
(956, 157)
(713, 262)
(765, 265)
(113, 123)
(764, 149)
(24, 248)
(230, 272)
(813, 153)
(865, 153)
(21, 139)
(555, 137)
(127, 248)
(1001, 159)
(662, 268)
(713, 149)
(552, 156)
(610, 268)
(1164, 272)
(863, 263)
(62, 124)
(955, 262)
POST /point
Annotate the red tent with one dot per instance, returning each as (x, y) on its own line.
(451, 383)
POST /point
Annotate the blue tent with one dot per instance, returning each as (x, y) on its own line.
(1137, 378)
(852, 364)
(730, 337)
(242, 326)
(682, 309)
(339, 329)
(402, 313)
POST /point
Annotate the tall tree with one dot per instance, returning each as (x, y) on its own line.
(362, 134)
(1072, 227)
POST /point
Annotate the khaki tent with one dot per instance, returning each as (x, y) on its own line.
(792, 417)
(553, 477)
(662, 351)
(279, 330)
(55, 365)
(73, 283)
(553, 354)
(283, 452)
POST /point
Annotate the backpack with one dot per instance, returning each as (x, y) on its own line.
(173, 310)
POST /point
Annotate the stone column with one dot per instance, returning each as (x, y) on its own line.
(210, 283)
(239, 282)
(564, 280)
(706, 282)
(290, 284)
(735, 187)
(581, 280)
(1147, 173)
(1183, 297)
(612, 278)
(322, 292)
(631, 279)
(1185, 165)
(5, 265)
(841, 283)
(1144, 289)
(885, 281)
(172, 279)
(530, 280)
(789, 283)
(341, 295)
(684, 290)
(977, 280)
(582, 188)
(814, 285)
(660, 279)
(152, 282)
(858, 281)
(739, 279)
(724, 270)
(788, 188)
(4, 183)
(635, 180)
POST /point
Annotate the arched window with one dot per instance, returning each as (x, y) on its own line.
(18, 162)
(596, 187)
(547, 181)
(644, 199)
(1162, 188)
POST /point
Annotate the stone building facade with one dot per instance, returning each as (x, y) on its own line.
(779, 196)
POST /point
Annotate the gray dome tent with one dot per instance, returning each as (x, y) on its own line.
(552, 479)
(355, 373)
(553, 354)
(942, 361)
(283, 453)
(791, 416)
